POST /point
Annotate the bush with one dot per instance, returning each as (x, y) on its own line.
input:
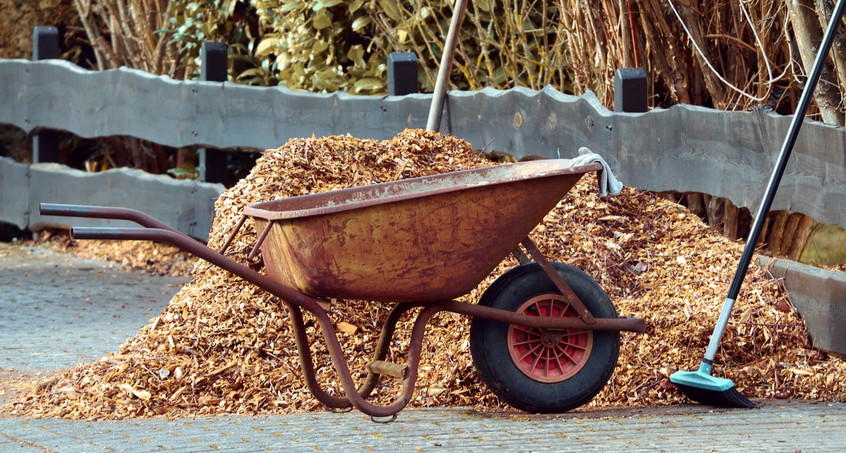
(331, 45)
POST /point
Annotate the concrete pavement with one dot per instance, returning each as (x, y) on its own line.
(57, 310)
(789, 427)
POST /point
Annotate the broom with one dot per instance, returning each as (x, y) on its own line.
(700, 385)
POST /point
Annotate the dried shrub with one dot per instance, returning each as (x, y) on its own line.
(20, 16)
(130, 33)
(718, 54)
(725, 55)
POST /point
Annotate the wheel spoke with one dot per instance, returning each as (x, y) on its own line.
(561, 312)
(570, 357)
(531, 352)
(529, 330)
(550, 309)
(524, 342)
(537, 359)
(538, 310)
(574, 346)
(563, 307)
(558, 362)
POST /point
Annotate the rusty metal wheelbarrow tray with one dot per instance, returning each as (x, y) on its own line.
(416, 242)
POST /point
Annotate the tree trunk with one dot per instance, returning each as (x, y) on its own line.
(838, 49)
(808, 34)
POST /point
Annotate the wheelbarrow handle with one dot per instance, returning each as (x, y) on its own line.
(158, 231)
(109, 233)
(200, 250)
(102, 212)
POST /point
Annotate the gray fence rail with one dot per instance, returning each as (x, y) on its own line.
(684, 148)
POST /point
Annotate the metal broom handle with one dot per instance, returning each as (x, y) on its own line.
(437, 107)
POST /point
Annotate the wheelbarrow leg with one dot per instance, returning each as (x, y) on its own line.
(415, 350)
(383, 345)
(356, 396)
(307, 362)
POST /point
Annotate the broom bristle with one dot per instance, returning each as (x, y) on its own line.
(725, 398)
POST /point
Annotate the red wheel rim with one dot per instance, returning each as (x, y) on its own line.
(547, 355)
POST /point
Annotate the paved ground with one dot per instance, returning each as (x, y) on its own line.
(56, 311)
(59, 310)
(771, 428)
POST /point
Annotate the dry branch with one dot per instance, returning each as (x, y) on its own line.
(129, 33)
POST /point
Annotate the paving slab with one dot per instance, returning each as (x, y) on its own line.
(786, 426)
(57, 310)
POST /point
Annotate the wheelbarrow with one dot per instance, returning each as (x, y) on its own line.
(544, 337)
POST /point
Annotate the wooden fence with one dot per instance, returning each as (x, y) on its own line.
(684, 148)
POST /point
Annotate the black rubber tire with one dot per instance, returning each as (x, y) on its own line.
(490, 349)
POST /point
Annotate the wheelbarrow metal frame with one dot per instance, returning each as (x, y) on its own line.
(295, 301)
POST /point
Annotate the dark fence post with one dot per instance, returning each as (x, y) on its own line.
(630, 90)
(214, 69)
(402, 73)
(45, 46)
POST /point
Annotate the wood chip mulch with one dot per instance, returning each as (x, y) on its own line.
(222, 346)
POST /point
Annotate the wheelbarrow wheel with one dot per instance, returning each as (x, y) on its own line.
(536, 370)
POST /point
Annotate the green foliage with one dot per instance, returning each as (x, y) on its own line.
(319, 45)
(229, 21)
(332, 45)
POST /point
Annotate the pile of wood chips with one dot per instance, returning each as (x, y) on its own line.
(223, 346)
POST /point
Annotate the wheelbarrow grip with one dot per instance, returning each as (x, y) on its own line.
(102, 212)
(106, 233)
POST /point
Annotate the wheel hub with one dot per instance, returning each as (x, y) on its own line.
(551, 338)
(546, 355)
